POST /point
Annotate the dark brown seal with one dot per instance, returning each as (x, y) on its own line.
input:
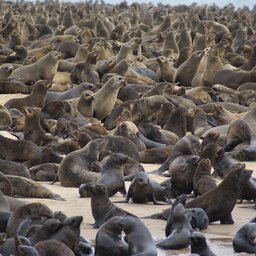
(110, 234)
(102, 208)
(202, 180)
(49, 248)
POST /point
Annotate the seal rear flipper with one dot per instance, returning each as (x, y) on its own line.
(157, 202)
(58, 197)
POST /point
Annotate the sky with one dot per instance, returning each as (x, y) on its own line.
(221, 3)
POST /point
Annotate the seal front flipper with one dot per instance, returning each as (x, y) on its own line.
(227, 220)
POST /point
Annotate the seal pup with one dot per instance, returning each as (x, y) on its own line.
(32, 130)
(112, 176)
(180, 232)
(188, 145)
(5, 118)
(202, 180)
(138, 237)
(77, 167)
(25, 211)
(199, 245)
(18, 150)
(45, 68)
(142, 190)
(5, 71)
(51, 247)
(244, 239)
(102, 208)
(35, 99)
(108, 239)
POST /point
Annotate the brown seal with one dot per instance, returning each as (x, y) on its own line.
(77, 167)
(5, 71)
(18, 150)
(29, 188)
(106, 97)
(137, 243)
(44, 172)
(180, 231)
(13, 168)
(202, 180)
(188, 145)
(51, 247)
(225, 195)
(187, 70)
(35, 99)
(110, 233)
(45, 68)
(102, 208)
(32, 128)
(112, 176)
(5, 118)
(199, 245)
(29, 210)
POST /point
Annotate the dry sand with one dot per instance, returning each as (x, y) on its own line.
(219, 236)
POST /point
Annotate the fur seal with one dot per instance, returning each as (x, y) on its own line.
(28, 188)
(5, 71)
(187, 70)
(102, 208)
(45, 68)
(35, 99)
(111, 175)
(44, 172)
(142, 190)
(26, 150)
(110, 234)
(227, 194)
(182, 170)
(29, 210)
(244, 239)
(25, 250)
(13, 168)
(76, 167)
(106, 97)
(137, 244)
(199, 245)
(180, 231)
(202, 180)
(135, 110)
(50, 247)
(5, 118)
(32, 128)
(188, 145)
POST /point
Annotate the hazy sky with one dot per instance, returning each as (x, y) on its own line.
(221, 3)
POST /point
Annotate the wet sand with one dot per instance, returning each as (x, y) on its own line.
(219, 236)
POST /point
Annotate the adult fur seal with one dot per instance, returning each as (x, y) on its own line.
(106, 97)
(102, 208)
(45, 68)
(77, 167)
(225, 194)
(35, 99)
(138, 244)
(180, 231)
(108, 239)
